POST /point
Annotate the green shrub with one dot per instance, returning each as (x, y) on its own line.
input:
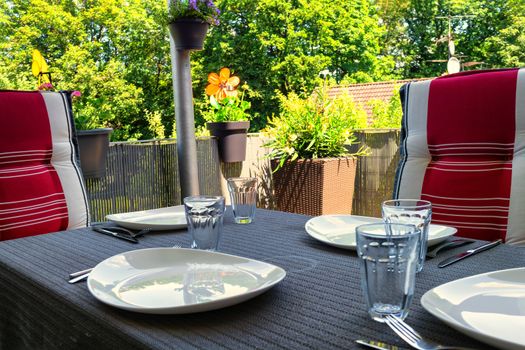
(314, 127)
(386, 114)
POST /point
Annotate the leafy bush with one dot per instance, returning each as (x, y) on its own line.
(315, 127)
(386, 114)
(229, 109)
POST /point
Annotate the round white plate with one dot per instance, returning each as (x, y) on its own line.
(339, 230)
(179, 281)
(489, 307)
(170, 218)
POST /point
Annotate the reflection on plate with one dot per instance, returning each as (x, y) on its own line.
(179, 281)
(169, 218)
(339, 230)
(489, 307)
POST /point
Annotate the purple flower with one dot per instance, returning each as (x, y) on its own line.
(193, 5)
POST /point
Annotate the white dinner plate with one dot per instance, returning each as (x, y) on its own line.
(489, 307)
(170, 218)
(339, 230)
(179, 281)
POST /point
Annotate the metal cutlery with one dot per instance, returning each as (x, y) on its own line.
(78, 273)
(124, 236)
(124, 230)
(79, 278)
(409, 335)
(448, 245)
(376, 345)
(468, 253)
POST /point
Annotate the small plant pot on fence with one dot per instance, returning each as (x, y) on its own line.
(93, 149)
(231, 139)
(315, 186)
(189, 33)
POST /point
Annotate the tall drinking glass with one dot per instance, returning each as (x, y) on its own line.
(389, 254)
(414, 212)
(205, 217)
(243, 195)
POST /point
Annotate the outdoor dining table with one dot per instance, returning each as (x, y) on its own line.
(318, 305)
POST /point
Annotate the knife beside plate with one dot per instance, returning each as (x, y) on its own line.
(468, 253)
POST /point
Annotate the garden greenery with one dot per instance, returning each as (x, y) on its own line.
(386, 114)
(117, 53)
(229, 109)
(314, 127)
(200, 9)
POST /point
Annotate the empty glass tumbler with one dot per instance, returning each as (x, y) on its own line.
(205, 220)
(415, 212)
(388, 254)
(243, 195)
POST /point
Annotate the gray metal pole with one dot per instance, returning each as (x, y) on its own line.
(185, 121)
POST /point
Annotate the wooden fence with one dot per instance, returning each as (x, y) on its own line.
(143, 174)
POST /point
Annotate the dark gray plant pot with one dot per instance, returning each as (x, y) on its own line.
(93, 149)
(189, 33)
(231, 139)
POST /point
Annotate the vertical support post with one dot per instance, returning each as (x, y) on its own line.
(185, 121)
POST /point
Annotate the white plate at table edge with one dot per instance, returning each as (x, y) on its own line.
(444, 231)
(168, 218)
(434, 301)
(270, 275)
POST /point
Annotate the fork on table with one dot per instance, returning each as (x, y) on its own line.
(408, 334)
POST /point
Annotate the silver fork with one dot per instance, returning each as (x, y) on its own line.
(413, 338)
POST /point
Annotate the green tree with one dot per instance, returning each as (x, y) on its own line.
(281, 46)
(114, 51)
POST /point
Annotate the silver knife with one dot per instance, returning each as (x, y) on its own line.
(468, 253)
(376, 345)
(114, 234)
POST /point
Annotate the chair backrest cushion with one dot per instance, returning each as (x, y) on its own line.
(41, 185)
(463, 149)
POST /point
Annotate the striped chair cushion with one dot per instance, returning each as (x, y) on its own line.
(463, 149)
(41, 186)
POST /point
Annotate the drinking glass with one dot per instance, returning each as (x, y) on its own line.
(388, 254)
(205, 217)
(243, 195)
(414, 212)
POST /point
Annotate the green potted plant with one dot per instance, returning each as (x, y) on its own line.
(189, 20)
(313, 169)
(227, 117)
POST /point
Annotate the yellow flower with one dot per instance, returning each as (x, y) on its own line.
(222, 85)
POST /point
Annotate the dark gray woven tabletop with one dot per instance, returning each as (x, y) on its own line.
(318, 305)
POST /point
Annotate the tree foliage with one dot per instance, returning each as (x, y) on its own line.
(116, 52)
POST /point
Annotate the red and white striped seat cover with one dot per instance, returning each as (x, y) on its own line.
(41, 185)
(463, 149)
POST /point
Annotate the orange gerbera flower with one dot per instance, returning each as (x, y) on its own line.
(222, 85)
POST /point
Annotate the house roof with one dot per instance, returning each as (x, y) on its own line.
(362, 93)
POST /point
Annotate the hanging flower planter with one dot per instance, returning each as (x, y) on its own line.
(231, 139)
(93, 148)
(189, 33)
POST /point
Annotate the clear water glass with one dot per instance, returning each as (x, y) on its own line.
(388, 254)
(415, 212)
(204, 215)
(243, 195)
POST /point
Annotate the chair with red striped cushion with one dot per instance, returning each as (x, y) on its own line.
(463, 149)
(41, 185)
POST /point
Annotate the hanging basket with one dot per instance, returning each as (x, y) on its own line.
(189, 33)
(93, 148)
(231, 139)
